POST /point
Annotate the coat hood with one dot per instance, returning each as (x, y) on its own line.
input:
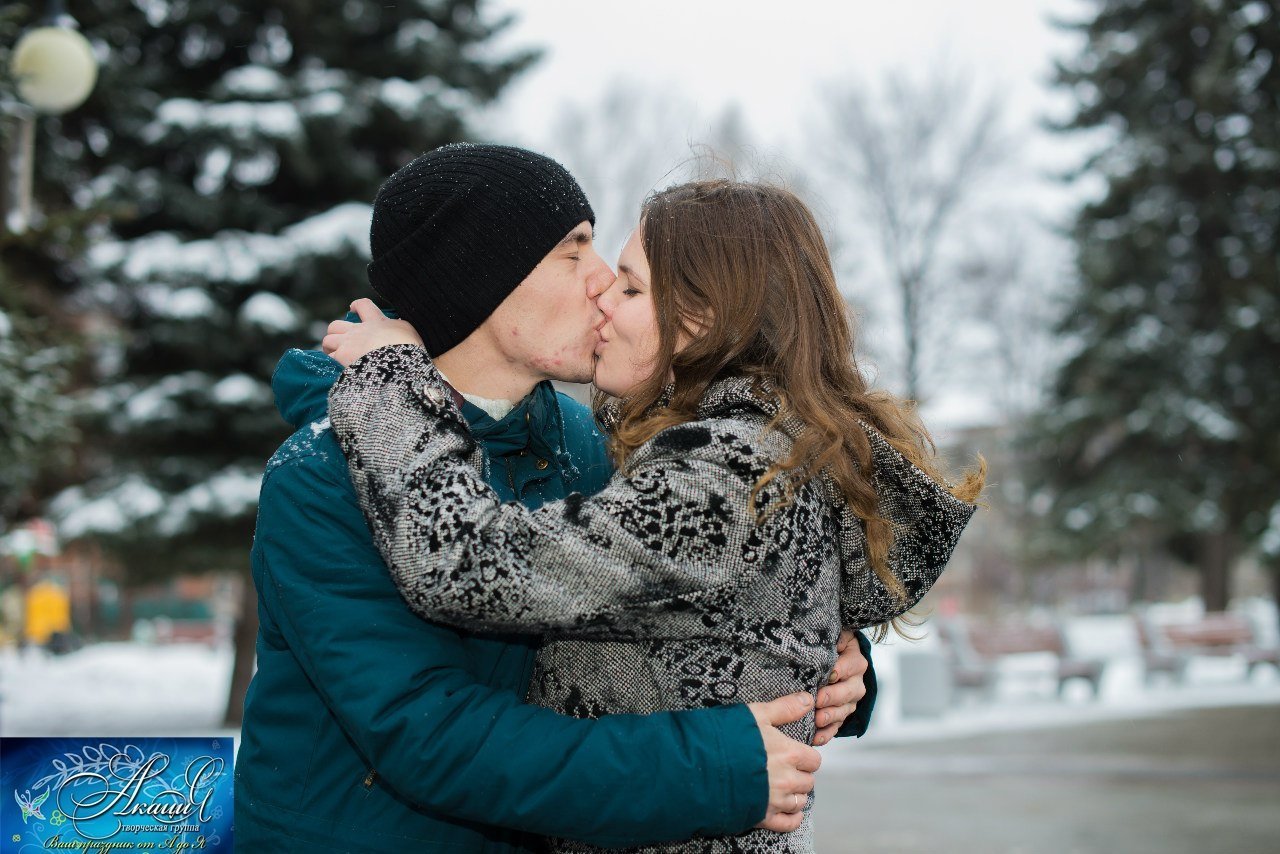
(926, 518)
(927, 521)
(301, 385)
(302, 380)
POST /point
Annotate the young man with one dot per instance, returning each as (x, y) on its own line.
(367, 729)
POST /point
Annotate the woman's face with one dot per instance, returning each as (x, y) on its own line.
(628, 343)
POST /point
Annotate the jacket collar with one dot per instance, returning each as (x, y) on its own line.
(535, 424)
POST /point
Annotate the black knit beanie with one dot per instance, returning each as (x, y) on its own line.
(456, 230)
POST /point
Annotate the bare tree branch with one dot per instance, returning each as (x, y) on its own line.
(910, 158)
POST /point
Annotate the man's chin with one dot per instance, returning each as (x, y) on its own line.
(579, 373)
(580, 378)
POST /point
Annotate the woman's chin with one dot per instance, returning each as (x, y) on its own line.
(608, 388)
(605, 383)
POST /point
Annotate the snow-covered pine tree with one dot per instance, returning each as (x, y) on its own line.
(245, 140)
(37, 345)
(36, 418)
(1163, 422)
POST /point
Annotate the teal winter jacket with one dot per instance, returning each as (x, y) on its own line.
(368, 729)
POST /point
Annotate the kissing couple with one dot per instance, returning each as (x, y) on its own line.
(494, 621)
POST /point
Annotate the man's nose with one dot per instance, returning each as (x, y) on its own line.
(599, 281)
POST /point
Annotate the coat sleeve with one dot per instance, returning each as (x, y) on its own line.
(646, 557)
(400, 689)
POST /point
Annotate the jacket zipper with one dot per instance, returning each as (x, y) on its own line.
(368, 781)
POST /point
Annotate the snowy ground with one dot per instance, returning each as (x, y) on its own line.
(1190, 782)
(115, 689)
(1025, 699)
(143, 689)
(1026, 772)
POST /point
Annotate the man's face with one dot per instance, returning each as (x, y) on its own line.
(548, 323)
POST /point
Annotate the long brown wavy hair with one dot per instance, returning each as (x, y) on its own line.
(742, 270)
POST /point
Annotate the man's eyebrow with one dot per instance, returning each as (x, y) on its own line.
(579, 237)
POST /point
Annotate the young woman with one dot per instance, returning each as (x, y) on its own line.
(765, 496)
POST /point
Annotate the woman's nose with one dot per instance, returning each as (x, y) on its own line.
(606, 300)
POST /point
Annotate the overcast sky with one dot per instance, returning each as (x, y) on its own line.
(771, 59)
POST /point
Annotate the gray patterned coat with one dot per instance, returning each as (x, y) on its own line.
(662, 591)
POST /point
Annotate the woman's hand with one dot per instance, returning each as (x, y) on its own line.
(348, 341)
(846, 687)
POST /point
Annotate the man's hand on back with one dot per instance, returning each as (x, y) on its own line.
(791, 764)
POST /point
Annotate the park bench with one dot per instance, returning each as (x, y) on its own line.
(975, 650)
(1169, 647)
(208, 632)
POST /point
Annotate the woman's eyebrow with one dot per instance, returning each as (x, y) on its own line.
(623, 268)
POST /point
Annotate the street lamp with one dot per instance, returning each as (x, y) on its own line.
(55, 70)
